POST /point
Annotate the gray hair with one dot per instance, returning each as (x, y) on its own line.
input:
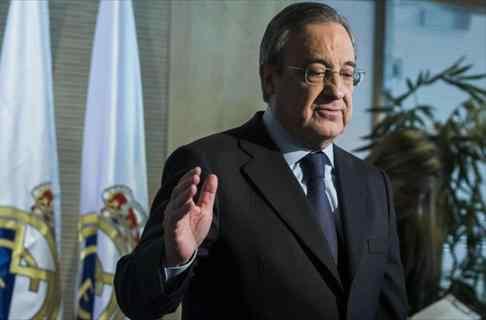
(293, 18)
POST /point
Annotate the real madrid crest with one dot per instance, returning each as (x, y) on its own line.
(29, 281)
(104, 238)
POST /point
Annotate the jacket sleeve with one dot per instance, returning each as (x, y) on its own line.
(139, 282)
(393, 296)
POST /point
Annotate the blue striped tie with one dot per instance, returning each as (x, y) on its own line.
(313, 168)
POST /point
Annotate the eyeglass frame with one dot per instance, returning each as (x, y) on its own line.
(358, 74)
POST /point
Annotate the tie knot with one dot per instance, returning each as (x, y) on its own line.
(313, 165)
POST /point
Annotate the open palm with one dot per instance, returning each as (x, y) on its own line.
(187, 223)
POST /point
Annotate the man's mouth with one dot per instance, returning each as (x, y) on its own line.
(328, 112)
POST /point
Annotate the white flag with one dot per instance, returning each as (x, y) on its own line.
(29, 188)
(114, 182)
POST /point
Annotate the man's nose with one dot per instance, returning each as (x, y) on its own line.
(334, 86)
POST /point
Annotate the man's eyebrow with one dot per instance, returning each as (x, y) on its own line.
(329, 65)
(318, 60)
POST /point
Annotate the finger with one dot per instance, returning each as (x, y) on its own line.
(188, 178)
(185, 183)
(208, 192)
(183, 197)
(174, 214)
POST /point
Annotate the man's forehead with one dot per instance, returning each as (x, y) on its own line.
(329, 32)
(322, 42)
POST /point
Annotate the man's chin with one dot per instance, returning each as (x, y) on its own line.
(321, 139)
(329, 130)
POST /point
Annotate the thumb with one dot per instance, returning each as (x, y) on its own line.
(208, 193)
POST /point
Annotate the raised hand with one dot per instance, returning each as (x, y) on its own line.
(186, 222)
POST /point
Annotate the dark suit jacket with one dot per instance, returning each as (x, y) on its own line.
(265, 256)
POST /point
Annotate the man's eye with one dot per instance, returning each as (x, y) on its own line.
(347, 74)
(315, 72)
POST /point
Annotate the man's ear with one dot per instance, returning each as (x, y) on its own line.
(267, 74)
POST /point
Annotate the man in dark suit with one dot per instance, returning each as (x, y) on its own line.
(271, 220)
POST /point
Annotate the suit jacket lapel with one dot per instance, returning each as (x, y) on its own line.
(271, 175)
(353, 205)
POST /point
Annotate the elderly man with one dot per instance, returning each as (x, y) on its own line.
(271, 220)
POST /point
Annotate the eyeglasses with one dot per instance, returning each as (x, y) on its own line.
(316, 73)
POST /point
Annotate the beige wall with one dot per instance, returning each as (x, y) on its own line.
(214, 83)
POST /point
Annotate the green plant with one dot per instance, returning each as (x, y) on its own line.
(458, 205)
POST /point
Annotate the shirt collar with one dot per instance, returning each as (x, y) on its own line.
(291, 149)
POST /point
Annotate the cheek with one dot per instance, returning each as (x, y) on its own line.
(308, 97)
(299, 100)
